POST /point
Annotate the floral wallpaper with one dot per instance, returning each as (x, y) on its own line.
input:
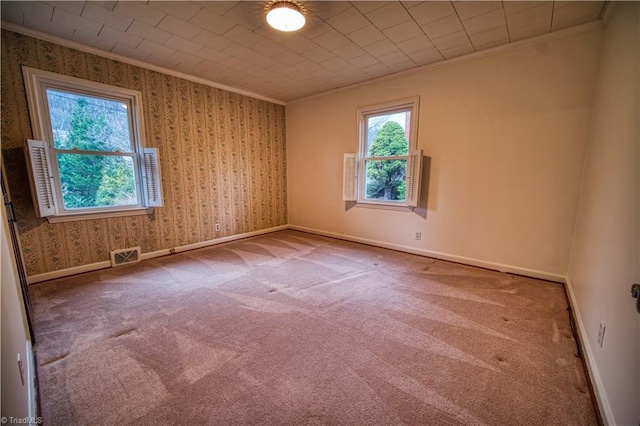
(222, 157)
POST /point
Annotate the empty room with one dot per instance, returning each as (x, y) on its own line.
(320, 212)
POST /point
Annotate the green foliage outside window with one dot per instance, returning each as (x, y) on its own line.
(386, 178)
(92, 180)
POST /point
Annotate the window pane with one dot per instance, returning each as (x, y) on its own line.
(97, 180)
(388, 134)
(88, 123)
(385, 179)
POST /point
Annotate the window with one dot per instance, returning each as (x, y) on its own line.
(87, 158)
(387, 169)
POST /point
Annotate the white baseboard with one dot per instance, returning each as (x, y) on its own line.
(442, 256)
(32, 279)
(208, 243)
(61, 273)
(592, 367)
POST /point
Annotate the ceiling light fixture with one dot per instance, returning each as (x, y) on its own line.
(285, 16)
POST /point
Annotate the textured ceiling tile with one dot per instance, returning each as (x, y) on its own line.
(274, 35)
(538, 15)
(290, 58)
(575, 13)
(383, 47)
(389, 15)
(363, 61)
(426, 12)
(62, 17)
(148, 32)
(517, 6)
(442, 27)
(426, 56)
(326, 9)
(105, 4)
(209, 21)
(242, 36)
(314, 28)
(237, 64)
(238, 51)
(212, 55)
(218, 7)
(152, 48)
(214, 32)
(249, 14)
(348, 21)
(140, 11)
(179, 27)
(348, 51)
(211, 40)
(368, 6)
(46, 26)
(299, 44)
(318, 54)
(521, 33)
(162, 61)
(485, 22)
(184, 10)
(12, 14)
(454, 52)
(493, 37)
(452, 40)
(268, 48)
(366, 36)
(91, 40)
(74, 7)
(415, 44)
(335, 64)
(105, 16)
(331, 40)
(129, 52)
(392, 58)
(469, 9)
(186, 59)
(403, 31)
(307, 66)
(376, 70)
(179, 43)
(119, 37)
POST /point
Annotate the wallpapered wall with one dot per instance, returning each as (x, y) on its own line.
(222, 157)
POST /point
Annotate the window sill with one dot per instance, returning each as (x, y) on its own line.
(384, 206)
(98, 215)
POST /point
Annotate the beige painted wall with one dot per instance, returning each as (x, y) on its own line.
(506, 135)
(605, 257)
(222, 157)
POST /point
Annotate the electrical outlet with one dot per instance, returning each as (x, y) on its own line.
(603, 327)
(418, 235)
(217, 226)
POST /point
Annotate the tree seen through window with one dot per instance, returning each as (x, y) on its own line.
(90, 135)
(386, 139)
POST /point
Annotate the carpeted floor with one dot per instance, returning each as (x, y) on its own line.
(290, 328)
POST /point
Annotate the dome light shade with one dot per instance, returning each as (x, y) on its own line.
(285, 16)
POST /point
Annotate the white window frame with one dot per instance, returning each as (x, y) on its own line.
(42, 159)
(354, 178)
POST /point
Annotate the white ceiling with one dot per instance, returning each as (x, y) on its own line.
(343, 43)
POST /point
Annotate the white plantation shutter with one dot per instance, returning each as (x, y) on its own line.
(414, 176)
(349, 170)
(40, 177)
(152, 183)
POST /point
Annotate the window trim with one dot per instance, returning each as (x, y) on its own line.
(411, 104)
(37, 82)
